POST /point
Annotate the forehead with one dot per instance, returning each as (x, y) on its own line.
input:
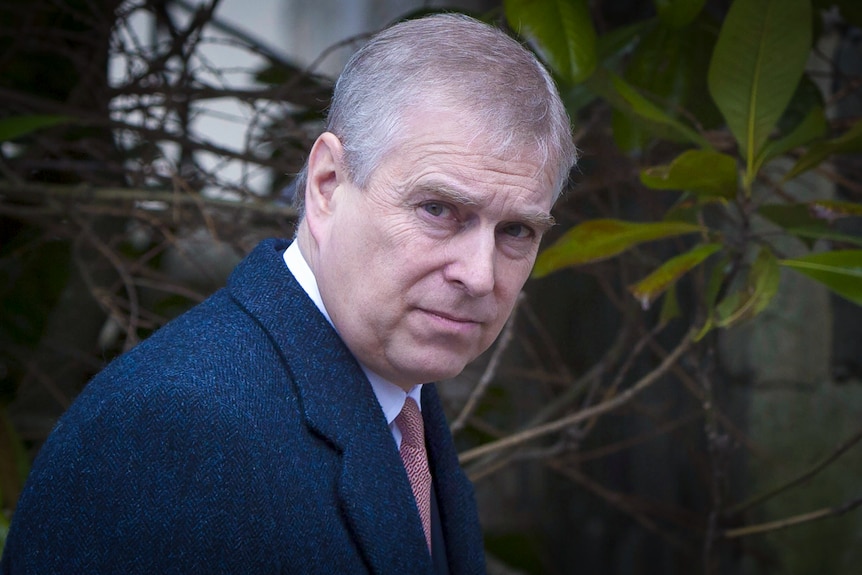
(448, 149)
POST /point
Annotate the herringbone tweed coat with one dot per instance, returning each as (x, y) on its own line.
(242, 437)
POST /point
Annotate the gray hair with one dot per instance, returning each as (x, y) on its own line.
(453, 60)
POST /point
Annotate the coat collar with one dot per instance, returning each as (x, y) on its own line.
(339, 405)
(458, 516)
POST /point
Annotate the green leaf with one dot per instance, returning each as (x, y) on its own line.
(840, 271)
(816, 214)
(14, 467)
(631, 135)
(848, 143)
(616, 43)
(811, 221)
(831, 210)
(806, 98)
(790, 215)
(17, 126)
(642, 107)
(667, 64)
(611, 48)
(4, 531)
(698, 171)
(811, 235)
(760, 287)
(793, 218)
(678, 13)
(596, 240)
(670, 64)
(757, 63)
(811, 128)
(561, 31)
(717, 280)
(670, 308)
(651, 287)
(689, 208)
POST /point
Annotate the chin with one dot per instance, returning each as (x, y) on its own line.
(430, 373)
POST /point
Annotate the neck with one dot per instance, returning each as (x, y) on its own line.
(307, 246)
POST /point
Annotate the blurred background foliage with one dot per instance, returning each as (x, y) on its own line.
(680, 387)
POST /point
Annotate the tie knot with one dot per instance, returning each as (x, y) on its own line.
(410, 423)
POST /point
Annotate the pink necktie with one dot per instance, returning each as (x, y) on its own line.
(416, 461)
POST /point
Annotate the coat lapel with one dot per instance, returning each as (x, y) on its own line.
(339, 405)
(455, 498)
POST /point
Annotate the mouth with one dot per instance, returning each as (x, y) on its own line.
(462, 326)
(445, 316)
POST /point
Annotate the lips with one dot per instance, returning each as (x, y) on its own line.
(458, 318)
(451, 317)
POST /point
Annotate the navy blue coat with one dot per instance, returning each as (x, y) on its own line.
(241, 437)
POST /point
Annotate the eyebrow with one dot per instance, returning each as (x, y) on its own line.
(541, 221)
(448, 193)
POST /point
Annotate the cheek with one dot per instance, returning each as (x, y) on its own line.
(512, 277)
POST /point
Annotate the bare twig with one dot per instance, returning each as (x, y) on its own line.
(610, 449)
(585, 414)
(619, 501)
(131, 324)
(86, 193)
(490, 369)
(792, 521)
(802, 478)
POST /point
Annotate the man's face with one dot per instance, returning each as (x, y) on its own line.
(420, 270)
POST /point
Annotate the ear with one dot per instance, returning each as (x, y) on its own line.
(325, 174)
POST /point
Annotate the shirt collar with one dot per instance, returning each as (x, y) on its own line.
(390, 397)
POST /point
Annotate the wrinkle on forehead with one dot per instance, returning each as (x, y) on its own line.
(474, 137)
(472, 164)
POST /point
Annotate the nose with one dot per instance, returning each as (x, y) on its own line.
(472, 262)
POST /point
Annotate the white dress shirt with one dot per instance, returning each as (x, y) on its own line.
(390, 397)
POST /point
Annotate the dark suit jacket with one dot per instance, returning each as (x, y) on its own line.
(242, 437)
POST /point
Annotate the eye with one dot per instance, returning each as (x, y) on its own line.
(435, 209)
(515, 230)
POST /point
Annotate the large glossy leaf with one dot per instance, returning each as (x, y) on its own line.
(629, 135)
(848, 143)
(759, 289)
(615, 44)
(831, 210)
(561, 31)
(651, 287)
(644, 108)
(717, 280)
(596, 240)
(789, 215)
(811, 235)
(796, 219)
(758, 61)
(698, 171)
(670, 308)
(611, 48)
(840, 271)
(678, 13)
(811, 221)
(17, 126)
(668, 65)
(806, 98)
(809, 129)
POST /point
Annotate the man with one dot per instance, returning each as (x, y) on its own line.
(273, 428)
